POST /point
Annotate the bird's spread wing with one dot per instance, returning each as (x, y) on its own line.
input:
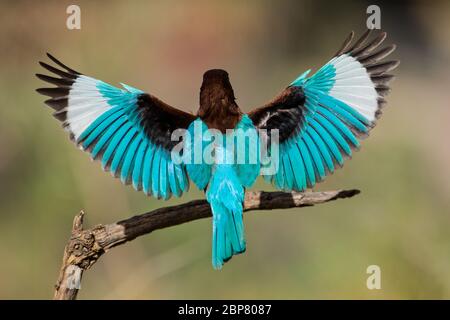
(322, 118)
(127, 129)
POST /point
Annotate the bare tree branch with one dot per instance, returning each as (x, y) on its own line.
(86, 246)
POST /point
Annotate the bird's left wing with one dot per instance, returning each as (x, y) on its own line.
(321, 118)
(127, 129)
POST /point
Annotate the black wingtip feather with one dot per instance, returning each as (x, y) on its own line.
(379, 55)
(360, 41)
(53, 92)
(58, 94)
(60, 115)
(383, 67)
(382, 79)
(346, 43)
(61, 82)
(382, 90)
(369, 47)
(62, 65)
(57, 71)
(57, 104)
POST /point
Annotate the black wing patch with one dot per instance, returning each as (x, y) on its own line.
(285, 113)
(160, 120)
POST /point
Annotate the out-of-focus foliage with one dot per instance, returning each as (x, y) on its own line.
(401, 221)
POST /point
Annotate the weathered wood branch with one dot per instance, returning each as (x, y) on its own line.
(85, 247)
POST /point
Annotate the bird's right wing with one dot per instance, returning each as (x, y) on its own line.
(127, 129)
(322, 118)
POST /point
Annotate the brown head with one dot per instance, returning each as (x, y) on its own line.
(218, 108)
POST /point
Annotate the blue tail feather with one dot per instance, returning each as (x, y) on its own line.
(228, 234)
(226, 194)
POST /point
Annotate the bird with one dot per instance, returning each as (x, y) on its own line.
(319, 122)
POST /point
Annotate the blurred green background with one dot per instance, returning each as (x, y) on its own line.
(400, 222)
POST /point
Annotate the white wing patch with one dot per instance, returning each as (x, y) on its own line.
(353, 86)
(85, 104)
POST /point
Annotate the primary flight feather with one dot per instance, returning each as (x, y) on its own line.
(320, 120)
